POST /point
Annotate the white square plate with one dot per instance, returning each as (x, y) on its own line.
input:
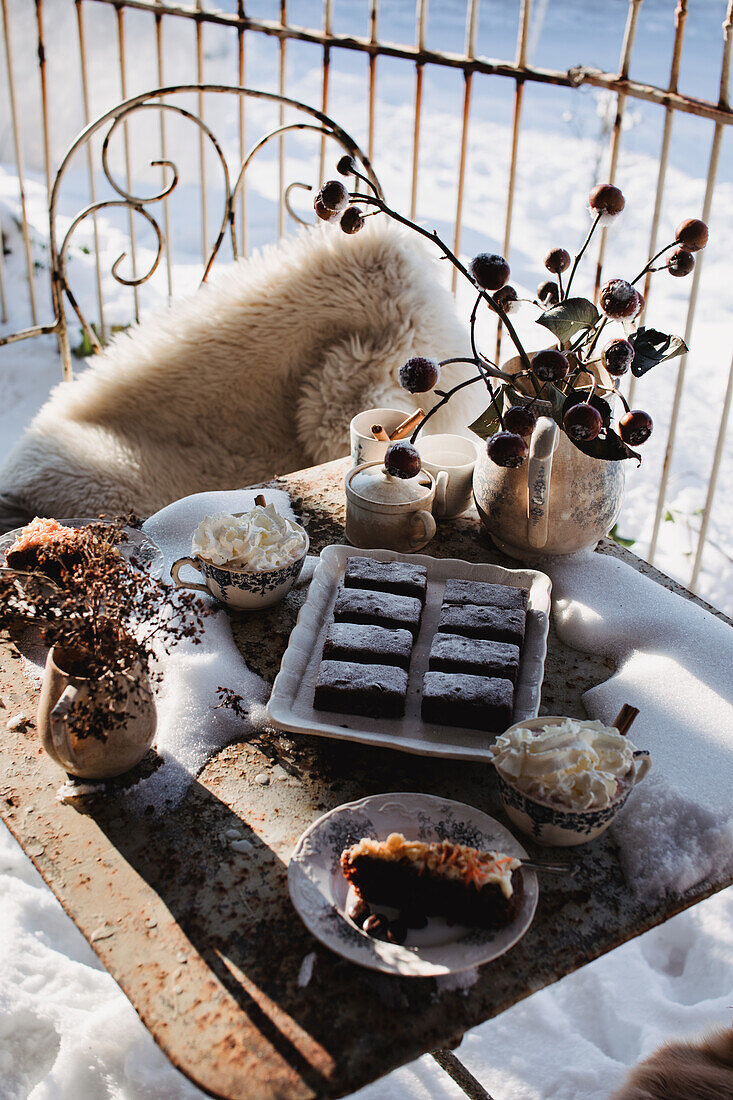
(291, 703)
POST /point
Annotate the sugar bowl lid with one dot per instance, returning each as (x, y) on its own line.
(373, 483)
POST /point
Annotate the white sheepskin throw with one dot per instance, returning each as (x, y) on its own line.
(257, 374)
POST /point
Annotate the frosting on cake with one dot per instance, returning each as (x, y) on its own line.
(453, 861)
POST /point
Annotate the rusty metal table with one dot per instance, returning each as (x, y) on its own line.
(204, 940)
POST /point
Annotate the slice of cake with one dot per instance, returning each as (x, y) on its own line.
(400, 577)
(482, 593)
(480, 656)
(357, 605)
(377, 691)
(46, 547)
(463, 884)
(371, 645)
(497, 623)
(473, 702)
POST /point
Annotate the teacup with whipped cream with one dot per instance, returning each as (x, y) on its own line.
(249, 560)
(563, 780)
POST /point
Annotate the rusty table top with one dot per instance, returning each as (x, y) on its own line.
(202, 936)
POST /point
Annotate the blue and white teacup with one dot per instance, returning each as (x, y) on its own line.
(548, 823)
(242, 589)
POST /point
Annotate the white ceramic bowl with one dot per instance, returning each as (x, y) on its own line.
(550, 824)
(242, 589)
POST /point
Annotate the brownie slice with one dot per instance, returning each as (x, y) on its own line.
(356, 605)
(482, 656)
(497, 623)
(377, 691)
(484, 594)
(399, 577)
(475, 702)
(371, 645)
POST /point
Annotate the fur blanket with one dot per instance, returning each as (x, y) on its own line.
(684, 1071)
(258, 373)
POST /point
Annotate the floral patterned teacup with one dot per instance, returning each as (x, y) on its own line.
(242, 589)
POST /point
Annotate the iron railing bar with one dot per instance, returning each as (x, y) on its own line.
(471, 27)
(521, 59)
(164, 156)
(626, 52)
(707, 205)
(713, 479)
(3, 302)
(42, 69)
(680, 17)
(242, 134)
(90, 163)
(373, 18)
(202, 140)
(326, 72)
(421, 15)
(126, 146)
(27, 333)
(572, 78)
(281, 117)
(19, 162)
(465, 1080)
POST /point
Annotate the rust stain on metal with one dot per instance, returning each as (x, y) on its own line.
(190, 911)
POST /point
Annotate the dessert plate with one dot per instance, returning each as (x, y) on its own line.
(140, 548)
(321, 894)
(291, 703)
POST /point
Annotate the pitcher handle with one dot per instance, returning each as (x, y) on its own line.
(58, 722)
(176, 568)
(541, 449)
(441, 489)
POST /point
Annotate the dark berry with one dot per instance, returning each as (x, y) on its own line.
(402, 460)
(680, 263)
(505, 298)
(606, 199)
(397, 931)
(635, 427)
(582, 422)
(507, 449)
(617, 356)
(413, 918)
(359, 911)
(323, 212)
(620, 301)
(334, 195)
(346, 165)
(352, 219)
(557, 260)
(548, 293)
(419, 374)
(691, 234)
(520, 420)
(550, 365)
(489, 270)
(376, 926)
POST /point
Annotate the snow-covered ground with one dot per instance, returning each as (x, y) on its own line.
(66, 1030)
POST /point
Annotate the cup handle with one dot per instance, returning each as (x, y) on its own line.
(176, 568)
(441, 490)
(643, 764)
(541, 449)
(427, 528)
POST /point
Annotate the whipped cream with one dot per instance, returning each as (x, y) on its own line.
(258, 540)
(577, 764)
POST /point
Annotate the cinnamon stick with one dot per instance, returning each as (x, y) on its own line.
(260, 499)
(625, 717)
(407, 426)
(379, 433)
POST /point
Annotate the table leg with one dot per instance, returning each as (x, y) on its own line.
(456, 1069)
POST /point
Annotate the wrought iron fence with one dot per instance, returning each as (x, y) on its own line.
(283, 32)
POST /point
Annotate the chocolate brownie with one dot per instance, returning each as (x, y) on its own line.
(484, 594)
(400, 577)
(356, 605)
(371, 645)
(474, 702)
(377, 691)
(482, 656)
(497, 623)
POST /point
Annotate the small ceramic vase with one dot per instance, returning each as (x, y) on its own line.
(90, 757)
(389, 512)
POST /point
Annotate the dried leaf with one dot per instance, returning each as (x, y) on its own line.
(569, 318)
(652, 347)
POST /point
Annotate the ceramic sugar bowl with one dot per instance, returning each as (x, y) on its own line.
(391, 512)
